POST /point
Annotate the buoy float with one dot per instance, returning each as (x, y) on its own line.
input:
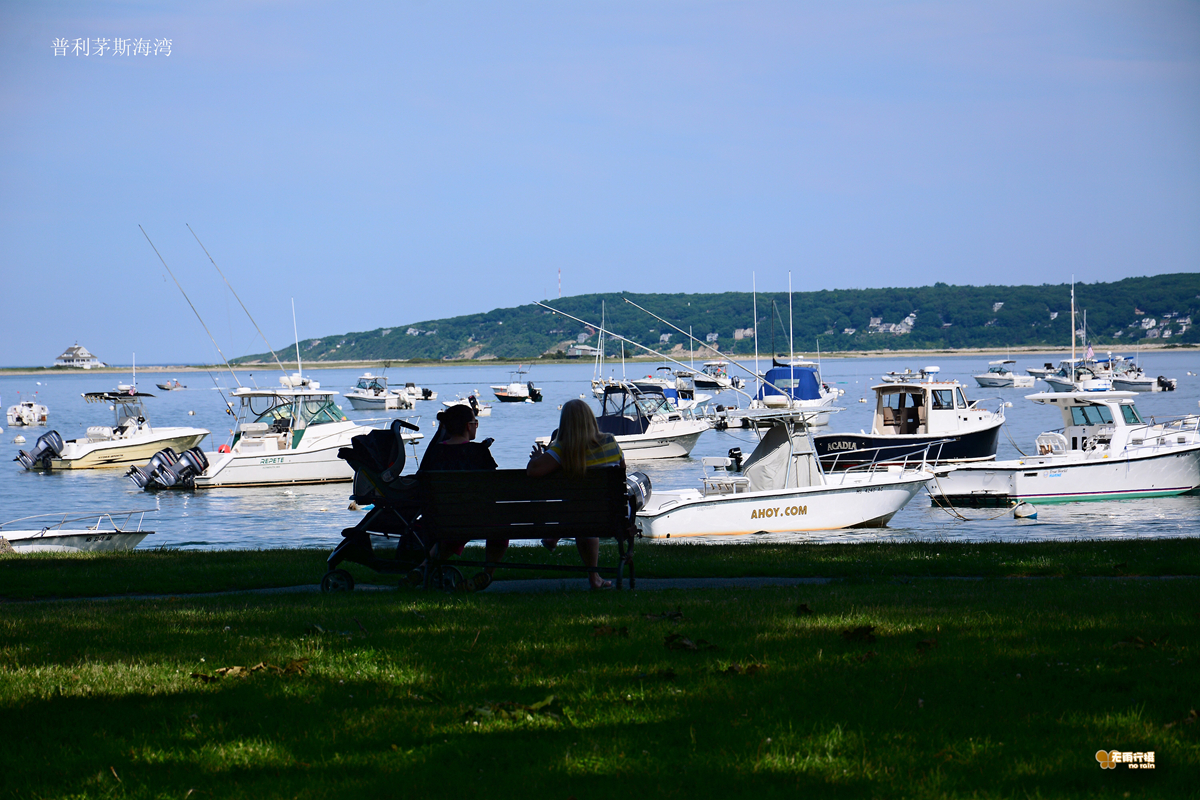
(223, 448)
(1025, 511)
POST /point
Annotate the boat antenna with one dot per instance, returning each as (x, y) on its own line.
(235, 294)
(754, 296)
(135, 372)
(299, 366)
(189, 302)
(622, 339)
(1072, 326)
(693, 338)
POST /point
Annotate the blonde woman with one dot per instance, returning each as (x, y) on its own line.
(577, 447)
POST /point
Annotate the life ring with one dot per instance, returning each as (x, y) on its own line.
(223, 448)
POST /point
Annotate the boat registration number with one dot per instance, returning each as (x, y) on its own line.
(275, 460)
(779, 511)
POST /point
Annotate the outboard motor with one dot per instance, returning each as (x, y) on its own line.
(426, 393)
(1164, 385)
(735, 455)
(474, 404)
(142, 476)
(184, 471)
(637, 490)
(48, 446)
(534, 394)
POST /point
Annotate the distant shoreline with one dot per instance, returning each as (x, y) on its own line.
(1040, 352)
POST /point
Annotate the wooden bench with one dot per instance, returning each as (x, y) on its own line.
(508, 504)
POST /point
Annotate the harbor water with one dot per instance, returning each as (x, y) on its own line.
(314, 516)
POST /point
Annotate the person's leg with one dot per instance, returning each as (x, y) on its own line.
(589, 554)
(494, 551)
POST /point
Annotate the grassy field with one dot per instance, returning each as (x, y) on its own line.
(185, 572)
(885, 684)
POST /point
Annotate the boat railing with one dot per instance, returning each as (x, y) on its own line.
(917, 458)
(1183, 430)
(125, 516)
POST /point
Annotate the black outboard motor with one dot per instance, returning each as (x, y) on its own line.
(1166, 384)
(637, 489)
(142, 476)
(535, 394)
(48, 446)
(426, 393)
(735, 455)
(474, 404)
(184, 471)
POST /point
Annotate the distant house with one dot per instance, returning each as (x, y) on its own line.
(664, 338)
(997, 306)
(578, 350)
(712, 337)
(78, 356)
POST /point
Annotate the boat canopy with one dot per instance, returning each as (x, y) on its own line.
(800, 383)
(300, 410)
(768, 467)
(627, 410)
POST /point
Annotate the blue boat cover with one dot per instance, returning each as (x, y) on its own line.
(799, 382)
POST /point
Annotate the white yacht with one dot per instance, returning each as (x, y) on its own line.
(781, 488)
(1104, 451)
(371, 393)
(289, 435)
(129, 440)
(999, 375)
(911, 416)
(27, 414)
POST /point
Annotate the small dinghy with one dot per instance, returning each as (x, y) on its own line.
(59, 533)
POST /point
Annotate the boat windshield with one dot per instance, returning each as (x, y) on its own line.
(943, 398)
(651, 404)
(1091, 415)
(370, 384)
(309, 410)
(1130, 413)
(962, 398)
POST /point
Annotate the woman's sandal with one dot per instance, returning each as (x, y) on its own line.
(477, 582)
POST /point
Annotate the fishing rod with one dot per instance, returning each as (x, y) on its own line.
(228, 404)
(652, 351)
(235, 294)
(694, 339)
(189, 302)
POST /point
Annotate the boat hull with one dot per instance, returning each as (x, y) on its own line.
(387, 402)
(1158, 472)
(86, 541)
(839, 451)
(651, 446)
(84, 454)
(282, 468)
(848, 502)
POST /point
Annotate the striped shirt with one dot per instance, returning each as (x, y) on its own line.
(605, 453)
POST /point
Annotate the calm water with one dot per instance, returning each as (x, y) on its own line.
(315, 516)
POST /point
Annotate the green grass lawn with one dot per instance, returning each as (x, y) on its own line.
(886, 684)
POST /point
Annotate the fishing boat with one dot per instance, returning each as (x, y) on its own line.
(171, 386)
(129, 440)
(415, 393)
(797, 384)
(1104, 451)
(371, 393)
(781, 487)
(285, 436)
(27, 414)
(912, 416)
(518, 390)
(109, 531)
(999, 375)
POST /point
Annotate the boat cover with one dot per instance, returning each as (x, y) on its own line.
(767, 466)
(806, 384)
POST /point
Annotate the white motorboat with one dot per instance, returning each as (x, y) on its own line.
(415, 393)
(48, 536)
(290, 435)
(27, 414)
(171, 385)
(1078, 376)
(999, 375)
(900, 377)
(130, 439)
(371, 393)
(518, 390)
(715, 375)
(678, 388)
(480, 409)
(1104, 451)
(645, 424)
(1133, 378)
(912, 416)
(781, 488)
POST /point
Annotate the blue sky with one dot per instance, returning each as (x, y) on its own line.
(386, 163)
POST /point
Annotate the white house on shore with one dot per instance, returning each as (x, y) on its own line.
(78, 356)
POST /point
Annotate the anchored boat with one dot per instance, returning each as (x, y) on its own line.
(46, 536)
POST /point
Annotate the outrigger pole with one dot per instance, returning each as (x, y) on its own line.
(235, 294)
(189, 302)
(618, 336)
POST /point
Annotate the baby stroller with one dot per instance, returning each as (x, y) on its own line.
(397, 548)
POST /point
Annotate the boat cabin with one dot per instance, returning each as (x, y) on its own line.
(922, 407)
(1092, 420)
(627, 410)
(129, 415)
(372, 384)
(269, 413)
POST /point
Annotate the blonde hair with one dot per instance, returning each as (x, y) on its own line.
(577, 433)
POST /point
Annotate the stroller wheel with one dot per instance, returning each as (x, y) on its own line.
(447, 578)
(337, 580)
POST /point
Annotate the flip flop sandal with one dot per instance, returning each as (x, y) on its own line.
(477, 583)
